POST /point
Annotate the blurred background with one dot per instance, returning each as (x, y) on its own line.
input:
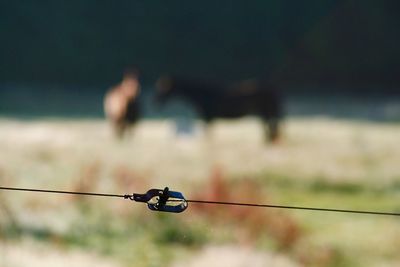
(78, 84)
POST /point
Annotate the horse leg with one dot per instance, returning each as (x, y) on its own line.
(273, 130)
(119, 129)
(208, 130)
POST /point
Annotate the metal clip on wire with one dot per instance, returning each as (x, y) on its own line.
(161, 200)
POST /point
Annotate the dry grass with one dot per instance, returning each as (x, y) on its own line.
(281, 227)
(320, 162)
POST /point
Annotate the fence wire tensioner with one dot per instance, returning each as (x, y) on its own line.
(161, 200)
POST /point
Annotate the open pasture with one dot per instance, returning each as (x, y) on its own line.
(319, 162)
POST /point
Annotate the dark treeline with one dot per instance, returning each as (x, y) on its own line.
(342, 44)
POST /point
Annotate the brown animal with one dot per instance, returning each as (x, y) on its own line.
(213, 101)
(121, 103)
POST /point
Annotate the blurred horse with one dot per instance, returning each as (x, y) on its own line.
(212, 101)
(121, 103)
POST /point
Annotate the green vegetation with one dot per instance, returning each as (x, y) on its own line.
(304, 43)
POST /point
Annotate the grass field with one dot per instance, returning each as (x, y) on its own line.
(320, 162)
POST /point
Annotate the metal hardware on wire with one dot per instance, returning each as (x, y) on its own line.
(156, 199)
(161, 200)
(173, 201)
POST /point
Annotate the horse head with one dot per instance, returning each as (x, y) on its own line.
(130, 85)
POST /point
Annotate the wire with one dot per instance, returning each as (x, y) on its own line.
(293, 207)
(209, 202)
(60, 192)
